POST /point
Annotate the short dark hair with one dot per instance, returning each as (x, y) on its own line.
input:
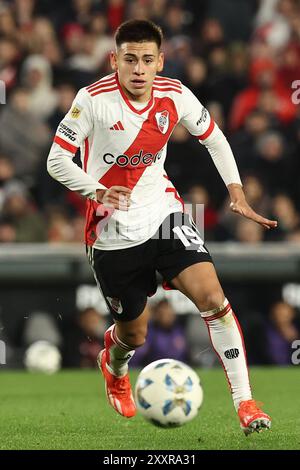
(138, 31)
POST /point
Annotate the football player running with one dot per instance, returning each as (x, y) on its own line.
(135, 222)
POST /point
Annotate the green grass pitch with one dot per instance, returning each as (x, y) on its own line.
(69, 411)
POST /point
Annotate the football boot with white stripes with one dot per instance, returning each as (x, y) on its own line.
(252, 418)
(118, 389)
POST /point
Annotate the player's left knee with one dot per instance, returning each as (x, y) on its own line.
(136, 338)
(211, 301)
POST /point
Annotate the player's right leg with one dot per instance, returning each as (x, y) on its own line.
(125, 278)
(120, 342)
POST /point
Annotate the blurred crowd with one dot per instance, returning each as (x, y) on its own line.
(240, 58)
(269, 336)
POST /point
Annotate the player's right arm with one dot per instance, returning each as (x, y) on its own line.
(73, 133)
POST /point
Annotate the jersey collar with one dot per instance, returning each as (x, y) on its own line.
(137, 111)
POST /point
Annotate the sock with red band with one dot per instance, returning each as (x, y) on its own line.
(227, 340)
(118, 354)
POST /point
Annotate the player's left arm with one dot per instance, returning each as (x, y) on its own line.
(240, 206)
(199, 123)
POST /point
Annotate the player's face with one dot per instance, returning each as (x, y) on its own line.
(137, 63)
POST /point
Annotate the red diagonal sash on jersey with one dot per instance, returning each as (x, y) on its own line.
(149, 139)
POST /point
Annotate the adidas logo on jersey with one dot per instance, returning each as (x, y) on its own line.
(117, 127)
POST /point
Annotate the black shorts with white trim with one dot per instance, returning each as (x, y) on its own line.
(127, 277)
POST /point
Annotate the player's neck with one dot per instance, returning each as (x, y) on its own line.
(138, 105)
(143, 99)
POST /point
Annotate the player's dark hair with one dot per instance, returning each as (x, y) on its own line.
(138, 31)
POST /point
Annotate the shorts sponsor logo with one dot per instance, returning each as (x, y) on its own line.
(67, 132)
(139, 159)
(115, 304)
(76, 111)
(163, 121)
(232, 353)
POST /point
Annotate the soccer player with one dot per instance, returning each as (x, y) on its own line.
(135, 222)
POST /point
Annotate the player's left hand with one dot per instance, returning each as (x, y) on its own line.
(241, 207)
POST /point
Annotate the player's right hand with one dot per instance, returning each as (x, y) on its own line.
(117, 197)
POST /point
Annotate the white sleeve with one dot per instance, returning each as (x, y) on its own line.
(70, 135)
(196, 119)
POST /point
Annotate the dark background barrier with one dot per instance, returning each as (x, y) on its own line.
(57, 280)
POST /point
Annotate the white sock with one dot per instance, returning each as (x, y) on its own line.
(118, 354)
(228, 342)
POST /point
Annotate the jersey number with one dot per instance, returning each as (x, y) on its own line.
(188, 235)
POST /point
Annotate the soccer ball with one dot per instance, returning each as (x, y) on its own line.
(42, 356)
(168, 393)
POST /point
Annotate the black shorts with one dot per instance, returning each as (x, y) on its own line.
(127, 277)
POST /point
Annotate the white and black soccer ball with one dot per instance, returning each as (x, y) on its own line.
(168, 393)
(43, 357)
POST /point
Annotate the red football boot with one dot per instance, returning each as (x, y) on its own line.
(118, 389)
(252, 418)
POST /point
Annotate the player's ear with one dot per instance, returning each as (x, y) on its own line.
(161, 59)
(113, 61)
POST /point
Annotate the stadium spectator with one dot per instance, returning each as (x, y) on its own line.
(256, 194)
(82, 11)
(59, 227)
(29, 225)
(294, 236)
(9, 58)
(273, 21)
(235, 17)
(266, 92)
(36, 76)
(115, 13)
(103, 41)
(249, 233)
(7, 231)
(215, 109)
(285, 210)
(244, 141)
(8, 179)
(196, 78)
(274, 164)
(41, 326)
(212, 35)
(7, 22)
(65, 94)
(23, 137)
(175, 21)
(282, 330)
(199, 197)
(166, 337)
(84, 339)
